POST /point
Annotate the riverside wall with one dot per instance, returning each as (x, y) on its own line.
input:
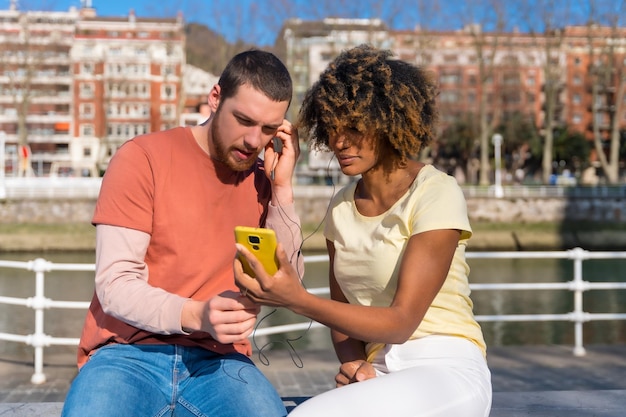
(312, 203)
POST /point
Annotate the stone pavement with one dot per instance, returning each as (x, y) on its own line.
(533, 381)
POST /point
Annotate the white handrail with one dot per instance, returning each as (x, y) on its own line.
(39, 303)
(88, 187)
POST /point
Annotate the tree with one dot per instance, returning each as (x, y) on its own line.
(572, 148)
(458, 146)
(21, 57)
(521, 139)
(545, 19)
(484, 23)
(607, 76)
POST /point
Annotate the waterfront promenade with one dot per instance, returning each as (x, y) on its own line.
(538, 381)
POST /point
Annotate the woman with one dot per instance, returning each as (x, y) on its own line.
(400, 315)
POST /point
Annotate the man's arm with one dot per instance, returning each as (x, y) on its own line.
(282, 217)
(122, 282)
(286, 223)
(124, 293)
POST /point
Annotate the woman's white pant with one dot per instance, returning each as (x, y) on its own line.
(432, 376)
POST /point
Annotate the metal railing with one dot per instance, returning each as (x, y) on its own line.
(88, 187)
(39, 303)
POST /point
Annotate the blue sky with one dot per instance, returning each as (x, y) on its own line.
(259, 21)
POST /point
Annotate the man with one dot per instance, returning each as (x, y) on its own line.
(166, 332)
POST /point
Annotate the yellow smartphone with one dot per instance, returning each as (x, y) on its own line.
(262, 243)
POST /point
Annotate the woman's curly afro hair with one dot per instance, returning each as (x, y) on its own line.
(366, 90)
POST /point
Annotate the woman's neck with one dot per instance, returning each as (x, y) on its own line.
(377, 192)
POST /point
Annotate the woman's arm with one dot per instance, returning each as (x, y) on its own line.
(346, 348)
(350, 352)
(423, 270)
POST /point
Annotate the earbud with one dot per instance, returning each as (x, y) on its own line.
(278, 148)
(278, 145)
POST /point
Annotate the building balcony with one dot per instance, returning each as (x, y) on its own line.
(49, 118)
(53, 98)
(49, 138)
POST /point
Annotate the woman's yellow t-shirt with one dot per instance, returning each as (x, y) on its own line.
(368, 251)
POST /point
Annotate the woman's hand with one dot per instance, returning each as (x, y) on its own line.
(354, 371)
(283, 289)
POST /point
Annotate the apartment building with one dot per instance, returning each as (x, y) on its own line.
(307, 47)
(74, 86)
(595, 78)
(35, 87)
(569, 78)
(503, 73)
(197, 84)
(127, 80)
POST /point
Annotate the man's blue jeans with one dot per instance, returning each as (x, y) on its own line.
(169, 380)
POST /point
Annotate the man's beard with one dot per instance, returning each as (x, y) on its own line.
(222, 153)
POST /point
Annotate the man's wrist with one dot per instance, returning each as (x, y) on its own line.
(189, 318)
(282, 195)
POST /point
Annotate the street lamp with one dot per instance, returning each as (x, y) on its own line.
(3, 141)
(497, 143)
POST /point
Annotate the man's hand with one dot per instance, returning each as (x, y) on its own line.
(354, 371)
(280, 166)
(228, 317)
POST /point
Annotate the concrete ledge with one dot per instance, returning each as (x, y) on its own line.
(609, 403)
(30, 409)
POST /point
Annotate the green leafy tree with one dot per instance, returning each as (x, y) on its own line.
(521, 144)
(458, 147)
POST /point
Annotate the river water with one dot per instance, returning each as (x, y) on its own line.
(78, 286)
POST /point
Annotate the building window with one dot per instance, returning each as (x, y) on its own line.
(511, 79)
(86, 111)
(86, 68)
(326, 56)
(450, 78)
(512, 97)
(168, 111)
(86, 129)
(576, 99)
(86, 90)
(167, 70)
(449, 97)
(168, 91)
(87, 152)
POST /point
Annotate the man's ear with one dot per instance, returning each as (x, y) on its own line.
(214, 98)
